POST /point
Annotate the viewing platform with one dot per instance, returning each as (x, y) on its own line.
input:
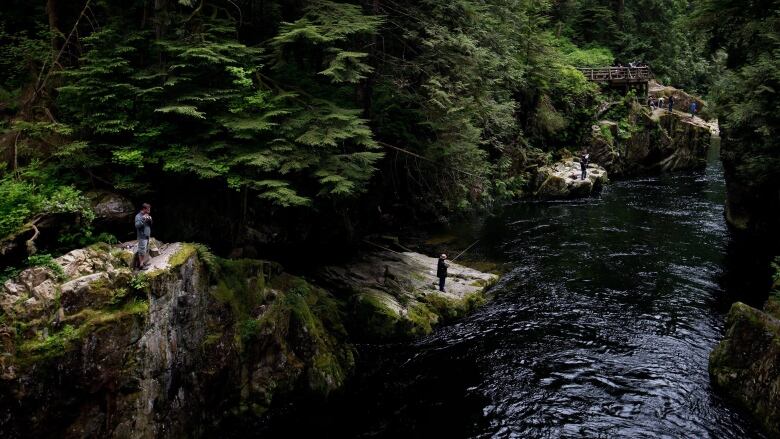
(618, 75)
(621, 77)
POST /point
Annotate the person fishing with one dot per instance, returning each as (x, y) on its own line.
(584, 160)
(143, 232)
(441, 271)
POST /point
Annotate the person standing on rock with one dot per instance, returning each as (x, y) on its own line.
(143, 231)
(693, 109)
(584, 160)
(671, 104)
(441, 271)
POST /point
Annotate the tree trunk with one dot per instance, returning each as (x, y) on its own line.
(365, 93)
(54, 24)
(160, 17)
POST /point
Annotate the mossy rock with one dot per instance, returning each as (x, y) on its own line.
(372, 318)
(746, 364)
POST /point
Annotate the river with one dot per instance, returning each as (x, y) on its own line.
(601, 327)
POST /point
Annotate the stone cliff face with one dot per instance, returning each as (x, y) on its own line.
(650, 142)
(752, 190)
(166, 354)
(90, 349)
(746, 364)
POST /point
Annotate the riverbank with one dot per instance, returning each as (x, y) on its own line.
(196, 339)
(744, 365)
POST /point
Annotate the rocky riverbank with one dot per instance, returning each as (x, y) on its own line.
(564, 180)
(645, 141)
(91, 349)
(746, 363)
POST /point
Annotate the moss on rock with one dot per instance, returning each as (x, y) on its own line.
(746, 364)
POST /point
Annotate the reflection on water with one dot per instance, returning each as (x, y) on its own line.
(601, 328)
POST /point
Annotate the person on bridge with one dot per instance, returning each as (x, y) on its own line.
(584, 160)
(693, 109)
(143, 231)
(671, 103)
(441, 271)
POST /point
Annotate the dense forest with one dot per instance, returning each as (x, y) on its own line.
(312, 109)
(359, 114)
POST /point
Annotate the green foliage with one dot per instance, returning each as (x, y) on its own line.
(31, 195)
(20, 53)
(597, 56)
(53, 343)
(209, 114)
(656, 32)
(606, 133)
(45, 260)
(241, 285)
(208, 258)
(288, 107)
(745, 94)
(140, 282)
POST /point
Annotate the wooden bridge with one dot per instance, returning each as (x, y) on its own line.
(628, 77)
(618, 75)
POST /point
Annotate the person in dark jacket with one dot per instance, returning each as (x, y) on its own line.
(693, 109)
(441, 271)
(143, 231)
(671, 103)
(584, 160)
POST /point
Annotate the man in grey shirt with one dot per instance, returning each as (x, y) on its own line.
(143, 231)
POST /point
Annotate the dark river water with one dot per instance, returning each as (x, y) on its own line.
(601, 328)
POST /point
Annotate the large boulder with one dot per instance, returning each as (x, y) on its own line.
(651, 142)
(746, 364)
(563, 180)
(394, 295)
(113, 212)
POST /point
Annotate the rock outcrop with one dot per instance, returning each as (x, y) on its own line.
(91, 349)
(746, 364)
(682, 100)
(395, 295)
(113, 212)
(563, 180)
(752, 189)
(651, 142)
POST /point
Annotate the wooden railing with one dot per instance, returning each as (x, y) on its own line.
(618, 74)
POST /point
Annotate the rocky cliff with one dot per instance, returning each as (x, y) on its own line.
(91, 349)
(650, 142)
(746, 364)
(752, 188)
(564, 180)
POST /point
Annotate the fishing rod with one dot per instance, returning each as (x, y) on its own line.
(464, 251)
